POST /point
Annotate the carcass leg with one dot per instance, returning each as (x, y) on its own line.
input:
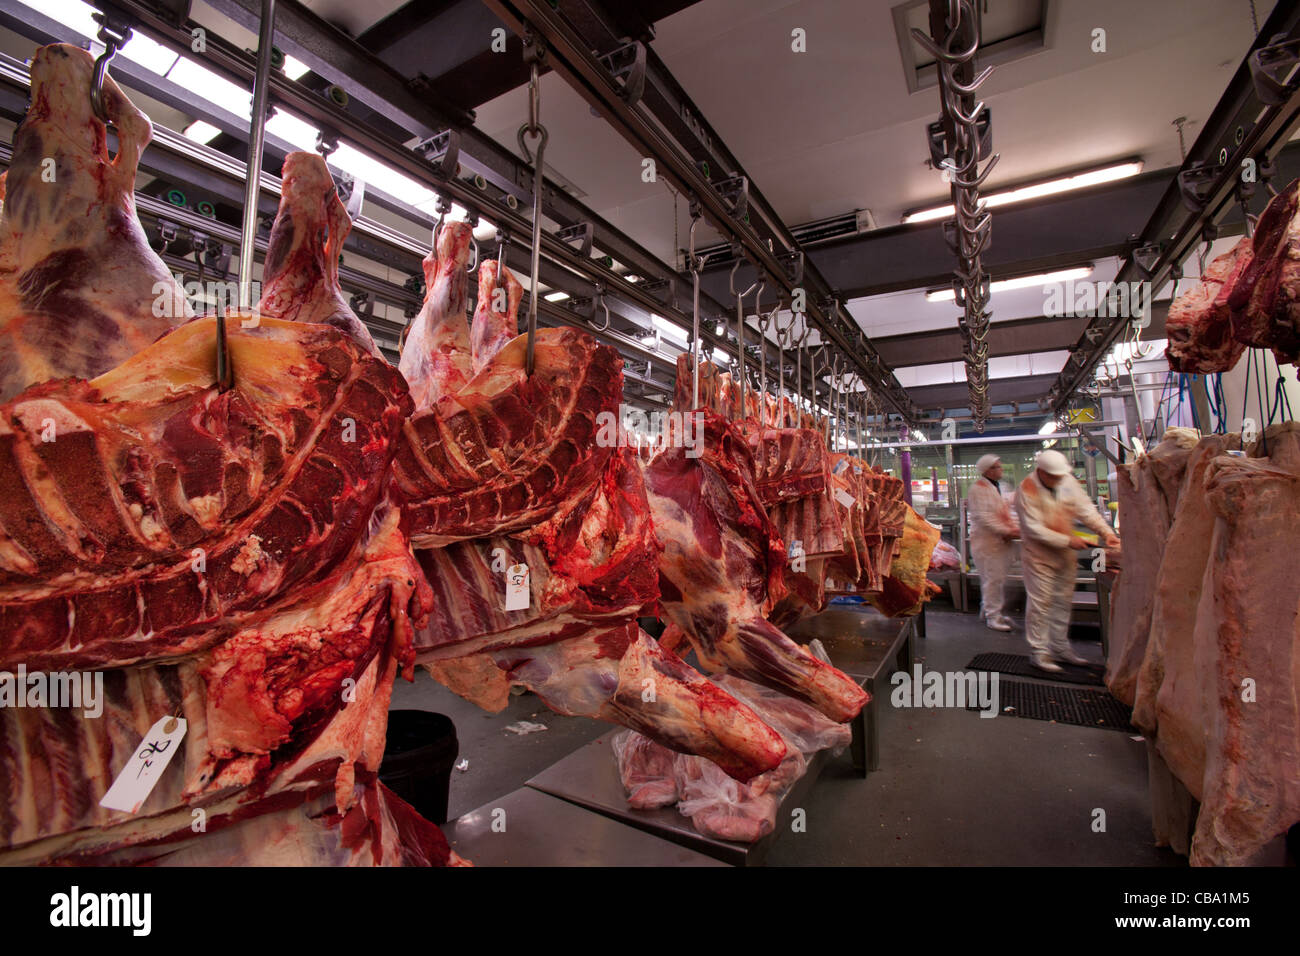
(649, 689)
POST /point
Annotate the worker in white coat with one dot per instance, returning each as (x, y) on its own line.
(1049, 503)
(992, 530)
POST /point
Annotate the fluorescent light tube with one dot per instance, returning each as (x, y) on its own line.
(1020, 282)
(71, 13)
(212, 87)
(1106, 174)
(556, 296)
(201, 132)
(293, 131)
(294, 69)
(670, 330)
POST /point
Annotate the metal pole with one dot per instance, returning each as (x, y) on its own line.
(256, 136)
(695, 311)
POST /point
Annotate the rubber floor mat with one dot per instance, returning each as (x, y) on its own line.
(1018, 666)
(1065, 705)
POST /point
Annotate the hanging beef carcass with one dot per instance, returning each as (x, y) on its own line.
(1263, 297)
(1148, 497)
(145, 514)
(300, 275)
(508, 469)
(1247, 652)
(80, 289)
(1249, 296)
(1199, 325)
(436, 358)
(235, 548)
(722, 569)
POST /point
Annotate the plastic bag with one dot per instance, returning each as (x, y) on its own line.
(727, 809)
(646, 769)
(804, 728)
(718, 805)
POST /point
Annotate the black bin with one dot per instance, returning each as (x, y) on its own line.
(421, 750)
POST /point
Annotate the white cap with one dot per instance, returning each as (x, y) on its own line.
(987, 462)
(1053, 462)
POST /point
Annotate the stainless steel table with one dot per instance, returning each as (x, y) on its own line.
(589, 778)
(868, 647)
(542, 830)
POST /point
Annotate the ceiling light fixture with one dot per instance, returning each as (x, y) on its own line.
(295, 69)
(1106, 174)
(556, 296)
(1020, 282)
(670, 330)
(201, 132)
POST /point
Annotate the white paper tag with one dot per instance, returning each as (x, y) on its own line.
(843, 463)
(145, 768)
(844, 498)
(517, 587)
(796, 548)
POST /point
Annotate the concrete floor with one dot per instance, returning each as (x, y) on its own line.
(953, 788)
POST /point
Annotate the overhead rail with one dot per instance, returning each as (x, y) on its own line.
(1253, 121)
(304, 36)
(616, 85)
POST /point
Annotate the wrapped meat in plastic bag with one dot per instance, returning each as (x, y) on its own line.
(718, 805)
(646, 769)
(728, 809)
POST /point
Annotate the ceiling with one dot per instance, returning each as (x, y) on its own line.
(835, 129)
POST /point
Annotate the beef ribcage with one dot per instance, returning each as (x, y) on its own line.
(510, 450)
(141, 523)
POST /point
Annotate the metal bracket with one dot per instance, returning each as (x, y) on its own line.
(1269, 66)
(655, 287)
(217, 255)
(1146, 256)
(363, 304)
(628, 62)
(443, 150)
(735, 190)
(1195, 184)
(583, 232)
(940, 148)
(794, 263)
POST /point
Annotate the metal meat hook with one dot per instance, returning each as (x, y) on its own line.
(114, 37)
(600, 297)
(225, 369)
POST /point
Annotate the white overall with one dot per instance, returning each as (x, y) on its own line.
(1047, 518)
(990, 523)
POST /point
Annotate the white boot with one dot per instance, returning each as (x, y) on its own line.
(1070, 657)
(1045, 663)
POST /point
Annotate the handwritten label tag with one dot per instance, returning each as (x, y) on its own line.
(844, 498)
(843, 463)
(145, 768)
(796, 548)
(517, 587)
